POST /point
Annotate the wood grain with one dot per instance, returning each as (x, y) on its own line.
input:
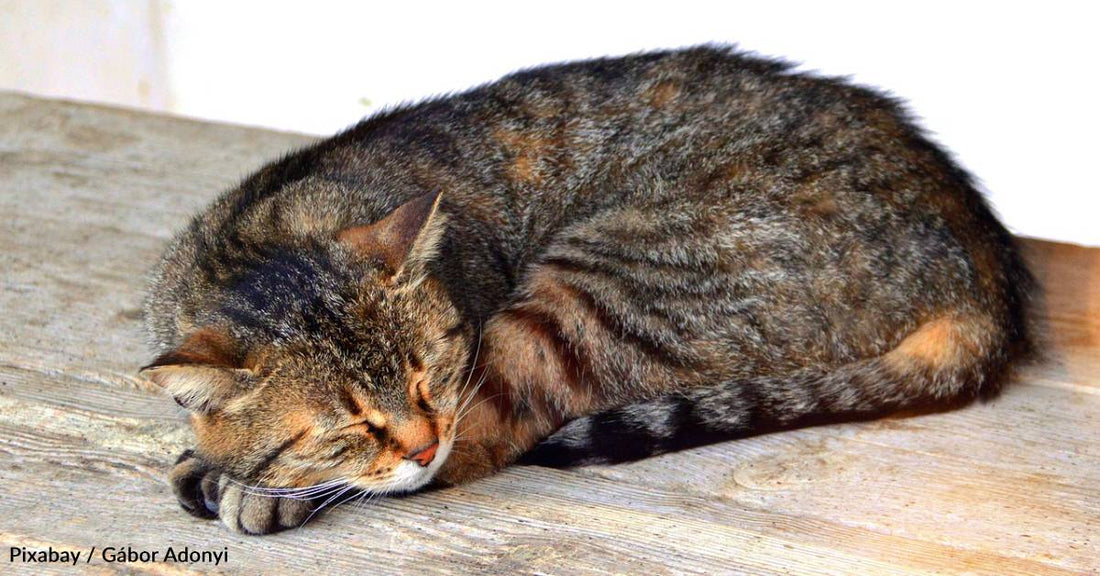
(89, 195)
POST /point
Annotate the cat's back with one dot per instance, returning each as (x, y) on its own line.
(570, 139)
(679, 114)
(522, 160)
(551, 145)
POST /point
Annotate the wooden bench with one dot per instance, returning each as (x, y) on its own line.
(88, 197)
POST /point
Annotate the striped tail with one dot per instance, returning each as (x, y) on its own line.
(945, 362)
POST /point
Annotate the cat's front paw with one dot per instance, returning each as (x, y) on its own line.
(206, 492)
(246, 511)
(192, 479)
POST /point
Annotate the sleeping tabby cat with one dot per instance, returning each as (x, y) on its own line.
(588, 262)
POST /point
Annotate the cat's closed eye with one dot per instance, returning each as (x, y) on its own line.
(366, 426)
(422, 397)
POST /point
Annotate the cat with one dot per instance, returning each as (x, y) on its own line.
(589, 262)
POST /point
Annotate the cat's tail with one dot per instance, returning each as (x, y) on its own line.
(948, 360)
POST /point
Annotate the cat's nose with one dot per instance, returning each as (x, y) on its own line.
(425, 454)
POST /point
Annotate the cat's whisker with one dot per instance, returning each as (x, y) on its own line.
(470, 374)
(456, 444)
(493, 397)
(326, 503)
(473, 394)
(473, 365)
(359, 503)
(306, 489)
(309, 495)
(370, 498)
(353, 496)
(292, 493)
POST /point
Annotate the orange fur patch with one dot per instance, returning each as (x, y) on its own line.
(525, 168)
(528, 152)
(661, 94)
(297, 421)
(537, 343)
(531, 372)
(933, 343)
(939, 343)
(209, 431)
(412, 434)
(491, 437)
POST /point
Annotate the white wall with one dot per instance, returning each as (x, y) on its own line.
(103, 50)
(1007, 87)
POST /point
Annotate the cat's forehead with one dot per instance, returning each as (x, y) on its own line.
(297, 293)
(378, 366)
(287, 282)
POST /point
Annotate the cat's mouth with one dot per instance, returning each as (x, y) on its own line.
(415, 476)
(409, 476)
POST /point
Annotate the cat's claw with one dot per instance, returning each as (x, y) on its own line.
(206, 493)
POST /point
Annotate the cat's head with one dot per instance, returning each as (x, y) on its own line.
(340, 360)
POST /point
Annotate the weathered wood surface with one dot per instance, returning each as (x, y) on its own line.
(89, 195)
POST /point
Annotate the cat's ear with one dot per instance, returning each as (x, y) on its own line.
(202, 373)
(404, 241)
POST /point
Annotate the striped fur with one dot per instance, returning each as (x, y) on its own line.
(863, 389)
(616, 258)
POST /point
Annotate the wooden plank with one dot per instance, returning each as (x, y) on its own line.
(526, 518)
(88, 196)
(941, 478)
(1070, 276)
